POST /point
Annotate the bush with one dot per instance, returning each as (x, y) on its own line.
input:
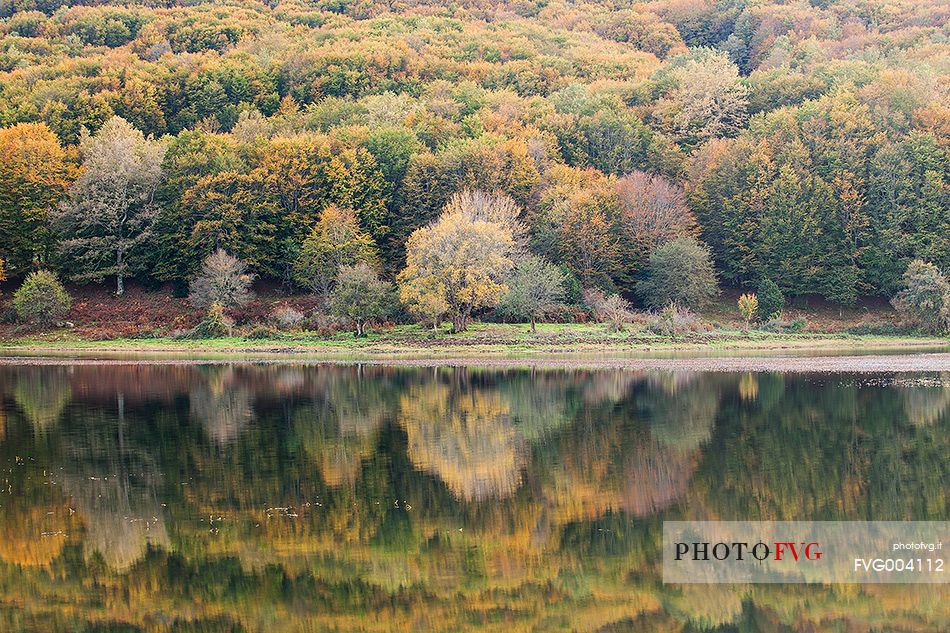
(681, 272)
(286, 318)
(223, 280)
(262, 331)
(779, 325)
(613, 310)
(771, 299)
(41, 299)
(216, 324)
(925, 298)
(674, 320)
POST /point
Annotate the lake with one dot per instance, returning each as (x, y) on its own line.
(281, 497)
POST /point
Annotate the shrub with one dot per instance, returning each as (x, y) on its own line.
(782, 326)
(681, 272)
(613, 310)
(748, 307)
(535, 288)
(771, 299)
(223, 280)
(41, 299)
(215, 324)
(674, 320)
(286, 318)
(925, 298)
(263, 331)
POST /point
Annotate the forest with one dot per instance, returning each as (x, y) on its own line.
(478, 154)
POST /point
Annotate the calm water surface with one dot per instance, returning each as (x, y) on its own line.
(312, 498)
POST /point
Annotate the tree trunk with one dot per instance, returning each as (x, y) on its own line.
(360, 328)
(534, 326)
(119, 282)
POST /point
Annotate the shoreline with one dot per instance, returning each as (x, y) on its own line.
(825, 354)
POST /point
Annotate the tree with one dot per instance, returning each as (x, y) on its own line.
(34, 175)
(534, 287)
(652, 211)
(222, 280)
(708, 100)
(360, 296)
(680, 272)
(457, 265)
(925, 297)
(771, 299)
(41, 299)
(335, 241)
(107, 218)
(748, 307)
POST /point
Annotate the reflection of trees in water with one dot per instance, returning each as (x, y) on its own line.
(827, 447)
(113, 485)
(42, 393)
(927, 404)
(681, 408)
(222, 404)
(339, 429)
(465, 436)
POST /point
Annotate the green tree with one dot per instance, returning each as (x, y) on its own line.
(360, 296)
(335, 241)
(771, 299)
(534, 288)
(41, 299)
(925, 297)
(680, 272)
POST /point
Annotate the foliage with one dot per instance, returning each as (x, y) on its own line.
(107, 218)
(925, 297)
(679, 272)
(215, 324)
(41, 299)
(335, 241)
(457, 265)
(223, 280)
(35, 173)
(534, 288)
(360, 296)
(748, 307)
(771, 299)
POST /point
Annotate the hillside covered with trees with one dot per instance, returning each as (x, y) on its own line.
(793, 144)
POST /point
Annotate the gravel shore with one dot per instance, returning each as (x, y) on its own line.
(870, 363)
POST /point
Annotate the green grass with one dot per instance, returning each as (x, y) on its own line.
(480, 340)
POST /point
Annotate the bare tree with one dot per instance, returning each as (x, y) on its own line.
(223, 280)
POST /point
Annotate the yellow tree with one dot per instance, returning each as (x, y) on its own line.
(457, 264)
(34, 175)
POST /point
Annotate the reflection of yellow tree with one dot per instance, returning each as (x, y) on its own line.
(465, 436)
(121, 518)
(222, 405)
(34, 530)
(42, 393)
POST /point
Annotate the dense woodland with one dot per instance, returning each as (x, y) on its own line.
(804, 143)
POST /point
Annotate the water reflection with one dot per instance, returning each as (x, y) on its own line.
(259, 498)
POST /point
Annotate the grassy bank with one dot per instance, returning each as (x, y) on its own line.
(481, 340)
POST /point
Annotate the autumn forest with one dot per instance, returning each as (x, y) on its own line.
(807, 144)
